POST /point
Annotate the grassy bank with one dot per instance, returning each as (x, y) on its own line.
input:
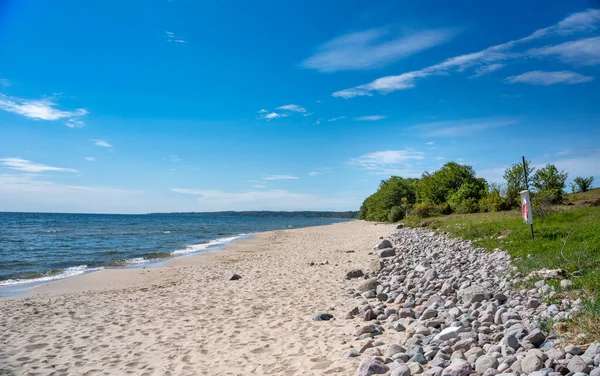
(568, 239)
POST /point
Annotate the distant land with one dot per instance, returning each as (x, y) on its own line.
(283, 214)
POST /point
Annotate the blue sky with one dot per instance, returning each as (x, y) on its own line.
(183, 105)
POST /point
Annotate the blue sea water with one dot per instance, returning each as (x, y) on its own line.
(40, 247)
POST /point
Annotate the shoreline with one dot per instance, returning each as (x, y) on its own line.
(28, 289)
(189, 318)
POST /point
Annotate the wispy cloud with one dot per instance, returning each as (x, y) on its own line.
(4, 82)
(460, 128)
(172, 38)
(269, 199)
(174, 158)
(102, 143)
(42, 109)
(579, 22)
(390, 162)
(430, 143)
(337, 118)
(314, 173)
(274, 115)
(280, 177)
(260, 186)
(292, 107)
(91, 159)
(549, 78)
(578, 52)
(370, 118)
(20, 164)
(263, 111)
(482, 71)
(373, 48)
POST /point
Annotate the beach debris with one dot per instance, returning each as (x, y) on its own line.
(323, 317)
(459, 310)
(354, 273)
(235, 277)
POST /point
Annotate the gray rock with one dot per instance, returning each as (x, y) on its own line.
(484, 363)
(449, 333)
(511, 341)
(417, 358)
(428, 314)
(355, 273)
(593, 350)
(350, 353)
(507, 316)
(434, 371)
(415, 368)
(371, 366)
(394, 349)
(365, 329)
(531, 363)
(474, 294)
(574, 350)
(458, 368)
(383, 244)
(235, 277)
(401, 371)
(595, 372)
(540, 373)
(576, 364)
(370, 284)
(535, 337)
(386, 252)
(491, 372)
(566, 284)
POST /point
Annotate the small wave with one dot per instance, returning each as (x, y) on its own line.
(204, 246)
(166, 232)
(69, 272)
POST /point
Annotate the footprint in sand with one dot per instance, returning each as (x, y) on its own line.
(35, 346)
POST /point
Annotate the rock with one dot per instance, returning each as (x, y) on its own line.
(371, 366)
(350, 353)
(386, 252)
(383, 244)
(459, 368)
(574, 350)
(535, 337)
(507, 316)
(595, 372)
(576, 364)
(449, 333)
(323, 317)
(370, 284)
(353, 312)
(394, 349)
(235, 277)
(511, 341)
(566, 284)
(593, 350)
(434, 371)
(401, 371)
(484, 363)
(428, 314)
(375, 265)
(355, 273)
(373, 351)
(415, 368)
(531, 363)
(417, 358)
(474, 294)
(366, 329)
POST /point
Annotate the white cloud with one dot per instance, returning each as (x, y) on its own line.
(461, 128)
(273, 115)
(390, 162)
(91, 159)
(292, 107)
(564, 152)
(370, 118)
(20, 164)
(263, 111)
(172, 38)
(578, 52)
(4, 82)
(271, 199)
(487, 69)
(260, 186)
(337, 118)
(374, 48)
(549, 78)
(317, 122)
(578, 22)
(102, 143)
(174, 158)
(314, 173)
(42, 109)
(439, 158)
(280, 177)
(430, 143)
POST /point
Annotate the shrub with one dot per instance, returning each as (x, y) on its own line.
(551, 181)
(425, 209)
(396, 214)
(542, 202)
(582, 184)
(468, 206)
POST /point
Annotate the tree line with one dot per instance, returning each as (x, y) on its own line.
(455, 188)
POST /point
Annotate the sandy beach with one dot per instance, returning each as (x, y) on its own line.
(187, 318)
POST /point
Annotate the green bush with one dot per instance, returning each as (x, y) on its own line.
(550, 181)
(467, 206)
(396, 214)
(582, 184)
(425, 209)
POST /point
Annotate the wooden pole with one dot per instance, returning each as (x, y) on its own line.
(527, 188)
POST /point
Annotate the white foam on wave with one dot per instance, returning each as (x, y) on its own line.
(69, 272)
(204, 246)
(137, 260)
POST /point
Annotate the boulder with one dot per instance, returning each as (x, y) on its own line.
(383, 244)
(369, 284)
(458, 368)
(531, 363)
(484, 363)
(474, 294)
(386, 252)
(371, 366)
(576, 364)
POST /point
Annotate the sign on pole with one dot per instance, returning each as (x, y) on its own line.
(526, 207)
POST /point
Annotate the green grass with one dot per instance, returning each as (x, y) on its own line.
(580, 257)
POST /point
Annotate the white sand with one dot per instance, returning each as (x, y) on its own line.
(187, 319)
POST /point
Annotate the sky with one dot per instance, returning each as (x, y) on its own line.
(183, 105)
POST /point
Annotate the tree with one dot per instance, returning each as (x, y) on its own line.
(582, 184)
(392, 192)
(452, 183)
(515, 181)
(550, 181)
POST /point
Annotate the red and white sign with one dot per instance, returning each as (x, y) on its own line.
(526, 207)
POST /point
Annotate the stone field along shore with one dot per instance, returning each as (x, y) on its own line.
(436, 306)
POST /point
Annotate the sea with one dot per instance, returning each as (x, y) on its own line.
(41, 247)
